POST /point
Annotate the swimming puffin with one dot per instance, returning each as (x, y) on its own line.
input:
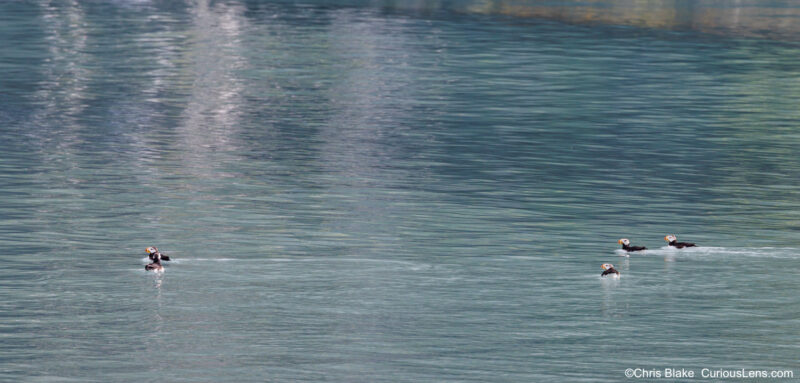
(156, 265)
(152, 251)
(609, 269)
(673, 242)
(626, 245)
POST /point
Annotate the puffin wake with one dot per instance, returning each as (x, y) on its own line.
(705, 251)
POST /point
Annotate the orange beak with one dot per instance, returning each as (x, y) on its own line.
(666, 238)
(620, 241)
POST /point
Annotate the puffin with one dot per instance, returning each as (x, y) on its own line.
(152, 251)
(156, 265)
(626, 245)
(608, 269)
(673, 242)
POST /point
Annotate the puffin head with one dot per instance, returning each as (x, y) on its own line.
(151, 250)
(624, 241)
(607, 266)
(670, 238)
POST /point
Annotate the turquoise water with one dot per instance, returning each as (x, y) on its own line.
(375, 193)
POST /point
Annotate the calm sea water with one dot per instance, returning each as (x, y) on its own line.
(375, 193)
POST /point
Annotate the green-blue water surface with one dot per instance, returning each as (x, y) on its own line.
(371, 193)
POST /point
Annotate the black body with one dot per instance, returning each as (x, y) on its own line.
(633, 248)
(609, 271)
(681, 245)
(156, 257)
(162, 256)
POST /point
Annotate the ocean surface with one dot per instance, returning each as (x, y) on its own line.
(372, 192)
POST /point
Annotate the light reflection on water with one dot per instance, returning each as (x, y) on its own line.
(749, 18)
(393, 193)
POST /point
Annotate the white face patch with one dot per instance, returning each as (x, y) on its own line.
(625, 242)
(607, 266)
